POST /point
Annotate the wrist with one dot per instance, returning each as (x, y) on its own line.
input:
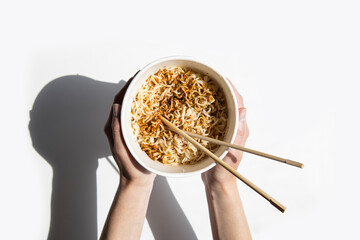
(140, 183)
(228, 187)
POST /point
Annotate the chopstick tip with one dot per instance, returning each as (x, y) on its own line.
(278, 205)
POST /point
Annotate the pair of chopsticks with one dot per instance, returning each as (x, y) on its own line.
(188, 136)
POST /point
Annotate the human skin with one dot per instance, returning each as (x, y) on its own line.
(227, 216)
(127, 213)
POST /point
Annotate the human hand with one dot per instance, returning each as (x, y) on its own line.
(218, 176)
(130, 170)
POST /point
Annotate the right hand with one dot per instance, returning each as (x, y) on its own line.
(218, 176)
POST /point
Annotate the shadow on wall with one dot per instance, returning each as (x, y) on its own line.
(66, 128)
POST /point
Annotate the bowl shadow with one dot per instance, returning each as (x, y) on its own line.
(66, 128)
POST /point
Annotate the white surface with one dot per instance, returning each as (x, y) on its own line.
(296, 63)
(198, 66)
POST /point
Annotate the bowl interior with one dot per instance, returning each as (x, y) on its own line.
(130, 140)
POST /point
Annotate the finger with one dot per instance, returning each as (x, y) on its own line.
(115, 127)
(117, 99)
(119, 143)
(243, 130)
(107, 128)
(122, 154)
(234, 156)
(238, 96)
(120, 95)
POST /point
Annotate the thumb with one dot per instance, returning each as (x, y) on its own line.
(242, 131)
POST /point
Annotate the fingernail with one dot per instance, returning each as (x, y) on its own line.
(115, 110)
(242, 114)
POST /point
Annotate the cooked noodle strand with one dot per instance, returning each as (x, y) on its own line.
(191, 101)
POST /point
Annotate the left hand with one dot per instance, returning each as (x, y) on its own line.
(130, 170)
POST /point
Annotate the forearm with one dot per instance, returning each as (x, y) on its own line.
(227, 216)
(127, 214)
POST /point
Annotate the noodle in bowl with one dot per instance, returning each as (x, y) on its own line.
(191, 95)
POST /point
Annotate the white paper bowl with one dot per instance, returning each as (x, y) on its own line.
(125, 118)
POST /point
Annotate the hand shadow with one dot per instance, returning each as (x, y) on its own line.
(66, 128)
(165, 216)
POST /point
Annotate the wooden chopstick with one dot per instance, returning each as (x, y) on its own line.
(248, 150)
(275, 203)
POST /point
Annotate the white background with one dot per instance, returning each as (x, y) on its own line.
(296, 63)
